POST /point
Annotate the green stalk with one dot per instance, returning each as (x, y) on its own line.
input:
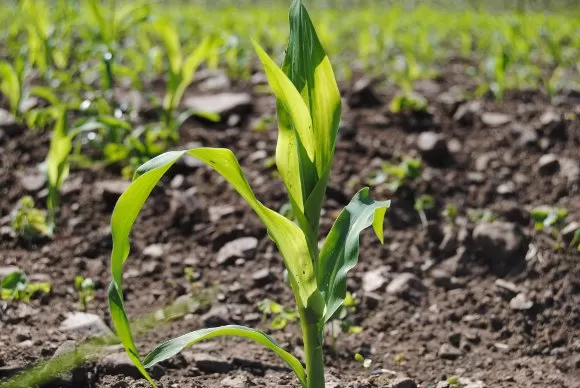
(312, 337)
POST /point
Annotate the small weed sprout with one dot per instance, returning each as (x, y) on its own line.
(85, 288)
(29, 222)
(308, 112)
(366, 362)
(422, 203)
(15, 286)
(282, 314)
(397, 175)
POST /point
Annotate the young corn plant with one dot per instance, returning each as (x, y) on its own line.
(308, 108)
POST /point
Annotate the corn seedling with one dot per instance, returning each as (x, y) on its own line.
(397, 175)
(181, 71)
(29, 222)
(308, 108)
(366, 362)
(422, 203)
(11, 84)
(15, 286)
(85, 288)
(281, 314)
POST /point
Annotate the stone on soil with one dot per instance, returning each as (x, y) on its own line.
(111, 190)
(208, 363)
(363, 95)
(492, 119)
(120, 364)
(548, 164)
(223, 104)
(521, 302)
(86, 324)
(407, 285)
(244, 247)
(449, 352)
(373, 281)
(501, 244)
(433, 147)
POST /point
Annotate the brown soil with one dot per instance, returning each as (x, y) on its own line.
(462, 306)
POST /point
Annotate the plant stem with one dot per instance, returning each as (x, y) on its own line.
(312, 336)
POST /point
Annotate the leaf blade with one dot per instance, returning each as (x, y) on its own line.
(340, 251)
(172, 347)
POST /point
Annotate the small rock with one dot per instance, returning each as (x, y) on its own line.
(239, 381)
(492, 119)
(373, 281)
(468, 383)
(153, 251)
(403, 382)
(442, 278)
(467, 113)
(569, 230)
(507, 188)
(244, 247)
(186, 211)
(510, 287)
(32, 181)
(216, 316)
(222, 104)
(209, 364)
(217, 212)
(548, 164)
(218, 82)
(371, 300)
(363, 95)
(433, 148)
(151, 267)
(121, 364)
(521, 302)
(570, 168)
(449, 352)
(85, 324)
(5, 271)
(8, 123)
(262, 277)
(501, 244)
(111, 190)
(407, 285)
(22, 333)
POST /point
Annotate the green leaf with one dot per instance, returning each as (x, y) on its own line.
(170, 38)
(288, 236)
(57, 166)
(172, 347)
(340, 251)
(309, 69)
(10, 86)
(294, 130)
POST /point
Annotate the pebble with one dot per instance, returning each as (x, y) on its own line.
(32, 181)
(449, 352)
(548, 164)
(111, 190)
(500, 244)
(407, 285)
(120, 364)
(244, 247)
(208, 363)
(521, 302)
(153, 251)
(85, 324)
(216, 316)
(569, 230)
(493, 119)
(263, 277)
(363, 95)
(239, 381)
(8, 123)
(373, 281)
(433, 147)
(222, 104)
